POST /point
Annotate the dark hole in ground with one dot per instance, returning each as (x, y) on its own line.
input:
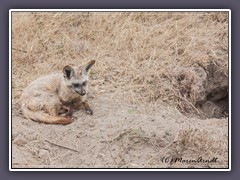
(216, 104)
(202, 90)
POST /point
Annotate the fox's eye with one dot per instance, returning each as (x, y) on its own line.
(76, 85)
(85, 83)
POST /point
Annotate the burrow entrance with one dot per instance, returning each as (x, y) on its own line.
(216, 104)
(203, 91)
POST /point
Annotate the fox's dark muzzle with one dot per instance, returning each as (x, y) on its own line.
(80, 90)
(82, 94)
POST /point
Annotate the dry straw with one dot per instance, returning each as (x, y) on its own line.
(136, 52)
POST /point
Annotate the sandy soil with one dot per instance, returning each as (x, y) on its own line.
(120, 135)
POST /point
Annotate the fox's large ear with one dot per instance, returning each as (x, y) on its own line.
(68, 72)
(87, 67)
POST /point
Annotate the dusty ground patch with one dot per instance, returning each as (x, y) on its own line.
(150, 68)
(120, 135)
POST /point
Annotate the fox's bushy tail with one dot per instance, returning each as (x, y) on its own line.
(43, 117)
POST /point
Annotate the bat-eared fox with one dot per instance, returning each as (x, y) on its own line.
(52, 99)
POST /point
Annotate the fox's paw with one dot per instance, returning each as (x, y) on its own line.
(87, 108)
(69, 113)
(89, 111)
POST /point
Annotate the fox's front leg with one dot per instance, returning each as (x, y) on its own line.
(83, 104)
(87, 108)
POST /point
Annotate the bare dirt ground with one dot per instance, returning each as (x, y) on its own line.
(159, 89)
(120, 135)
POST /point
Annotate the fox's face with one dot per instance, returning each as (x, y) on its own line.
(76, 79)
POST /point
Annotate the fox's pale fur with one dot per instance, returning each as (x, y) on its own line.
(51, 99)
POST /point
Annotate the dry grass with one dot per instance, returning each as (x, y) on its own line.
(136, 52)
(194, 143)
(187, 144)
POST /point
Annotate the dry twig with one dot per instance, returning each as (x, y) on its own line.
(61, 146)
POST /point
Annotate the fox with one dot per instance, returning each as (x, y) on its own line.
(53, 98)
